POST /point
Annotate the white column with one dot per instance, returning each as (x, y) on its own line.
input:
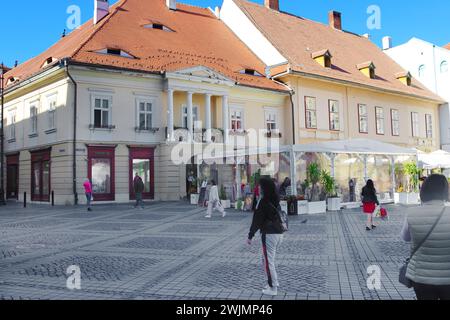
(170, 128)
(365, 168)
(225, 119)
(394, 187)
(293, 173)
(208, 117)
(190, 116)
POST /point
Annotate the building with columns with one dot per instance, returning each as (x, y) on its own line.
(114, 97)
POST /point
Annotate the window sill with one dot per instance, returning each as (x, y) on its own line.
(273, 134)
(12, 140)
(146, 130)
(108, 128)
(33, 135)
(50, 131)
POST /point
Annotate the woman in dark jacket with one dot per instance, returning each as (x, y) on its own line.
(370, 203)
(265, 219)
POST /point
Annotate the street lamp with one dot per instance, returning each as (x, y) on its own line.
(2, 137)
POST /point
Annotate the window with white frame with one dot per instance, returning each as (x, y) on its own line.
(33, 118)
(185, 115)
(51, 111)
(429, 125)
(415, 124)
(145, 114)
(102, 112)
(363, 118)
(236, 119)
(311, 112)
(444, 67)
(271, 120)
(379, 116)
(333, 110)
(422, 70)
(12, 125)
(395, 122)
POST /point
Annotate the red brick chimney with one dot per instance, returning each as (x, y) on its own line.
(272, 4)
(335, 20)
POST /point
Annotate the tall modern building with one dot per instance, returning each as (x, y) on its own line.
(429, 64)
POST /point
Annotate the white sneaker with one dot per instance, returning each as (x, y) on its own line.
(224, 215)
(208, 217)
(270, 292)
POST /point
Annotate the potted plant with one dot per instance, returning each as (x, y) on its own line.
(302, 205)
(329, 185)
(409, 194)
(240, 205)
(224, 198)
(315, 205)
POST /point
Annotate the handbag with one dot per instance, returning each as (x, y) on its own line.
(403, 270)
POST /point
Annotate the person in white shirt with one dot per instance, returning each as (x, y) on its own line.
(214, 201)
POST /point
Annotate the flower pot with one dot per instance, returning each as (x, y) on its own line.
(334, 204)
(194, 198)
(406, 198)
(226, 204)
(317, 207)
(302, 207)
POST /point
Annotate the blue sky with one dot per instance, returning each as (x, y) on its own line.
(33, 26)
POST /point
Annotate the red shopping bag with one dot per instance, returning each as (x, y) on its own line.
(383, 213)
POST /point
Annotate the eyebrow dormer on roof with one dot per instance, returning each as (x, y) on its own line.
(115, 52)
(49, 61)
(323, 57)
(367, 69)
(404, 77)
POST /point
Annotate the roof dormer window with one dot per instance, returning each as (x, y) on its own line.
(116, 52)
(404, 77)
(323, 58)
(250, 72)
(11, 80)
(158, 26)
(367, 69)
(48, 61)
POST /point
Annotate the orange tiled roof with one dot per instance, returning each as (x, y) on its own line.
(199, 38)
(297, 38)
(447, 46)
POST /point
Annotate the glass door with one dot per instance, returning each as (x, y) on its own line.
(101, 172)
(142, 163)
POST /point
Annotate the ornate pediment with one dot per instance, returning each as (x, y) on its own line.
(200, 73)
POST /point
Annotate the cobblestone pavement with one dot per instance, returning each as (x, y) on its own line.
(169, 251)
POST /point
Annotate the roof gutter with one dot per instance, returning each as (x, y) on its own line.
(357, 85)
(291, 97)
(66, 62)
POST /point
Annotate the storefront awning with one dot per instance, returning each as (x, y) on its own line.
(436, 160)
(358, 146)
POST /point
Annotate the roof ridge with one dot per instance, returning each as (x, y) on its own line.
(117, 6)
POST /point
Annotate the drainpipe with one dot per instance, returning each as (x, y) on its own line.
(74, 160)
(291, 97)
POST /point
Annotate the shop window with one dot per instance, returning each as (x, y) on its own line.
(40, 176)
(142, 163)
(101, 172)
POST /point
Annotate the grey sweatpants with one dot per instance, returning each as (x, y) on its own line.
(270, 244)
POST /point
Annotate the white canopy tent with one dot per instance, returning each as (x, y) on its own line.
(436, 160)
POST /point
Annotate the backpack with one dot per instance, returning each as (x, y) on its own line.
(283, 220)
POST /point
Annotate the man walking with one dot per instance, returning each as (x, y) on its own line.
(138, 186)
(214, 202)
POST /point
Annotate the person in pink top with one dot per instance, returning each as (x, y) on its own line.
(88, 191)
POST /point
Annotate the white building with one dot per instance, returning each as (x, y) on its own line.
(429, 64)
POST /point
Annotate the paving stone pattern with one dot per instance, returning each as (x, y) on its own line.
(170, 251)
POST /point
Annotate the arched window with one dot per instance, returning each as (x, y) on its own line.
(444, 67)
(421, 71)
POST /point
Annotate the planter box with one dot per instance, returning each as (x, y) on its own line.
(334, 204)
(302, 207)
(317, 207)
(284, 206)
(406, 198)
(226, 204)
(194, 199)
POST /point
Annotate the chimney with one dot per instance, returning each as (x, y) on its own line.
(171, 4)
(272, 4)
(101, 10)
(335, 20)
(387, 43)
